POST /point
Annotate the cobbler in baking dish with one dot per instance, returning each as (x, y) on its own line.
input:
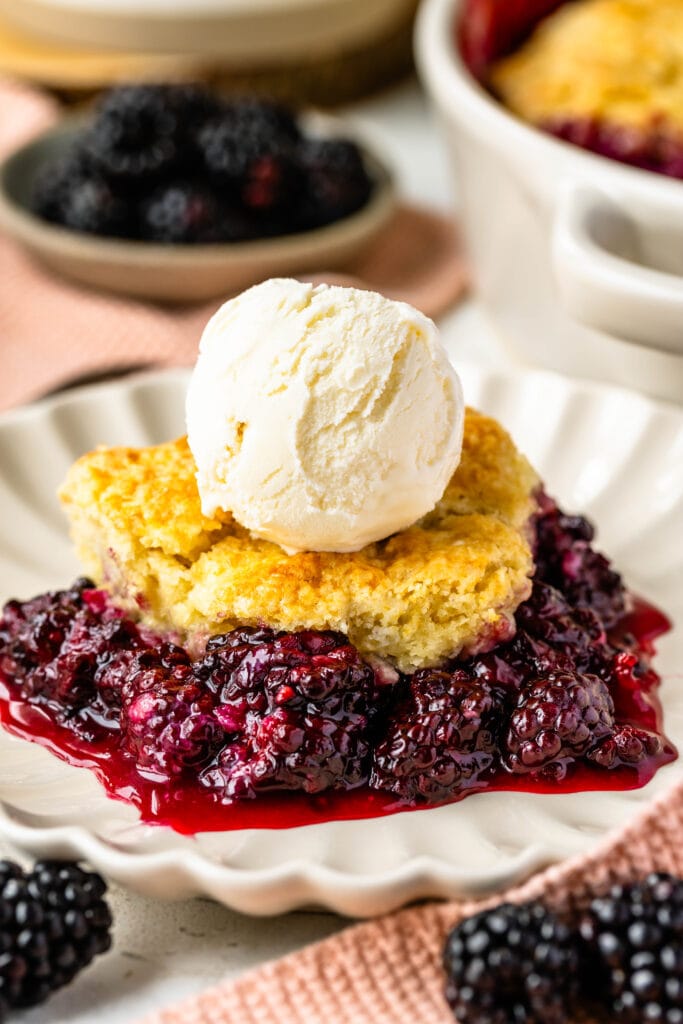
(606, 75)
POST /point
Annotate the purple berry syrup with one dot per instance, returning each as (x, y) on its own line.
(273, 730)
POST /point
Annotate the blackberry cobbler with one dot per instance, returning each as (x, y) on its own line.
(342, 594)
(489, 646)
(606, 75)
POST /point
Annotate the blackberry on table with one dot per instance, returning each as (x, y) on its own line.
(633, 942)
(512, 965)
(53, 922)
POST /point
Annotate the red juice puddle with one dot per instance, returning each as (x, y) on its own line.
(188, 808)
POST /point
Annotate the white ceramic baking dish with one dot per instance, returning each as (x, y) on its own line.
(579, 259)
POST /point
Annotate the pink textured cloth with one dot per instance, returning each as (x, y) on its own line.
(53, 333)
(389, 971)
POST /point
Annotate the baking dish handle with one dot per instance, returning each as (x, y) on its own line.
(603, 281)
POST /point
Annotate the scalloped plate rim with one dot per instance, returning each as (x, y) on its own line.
(300, 882)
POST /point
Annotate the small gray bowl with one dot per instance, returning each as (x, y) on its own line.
(183, 273)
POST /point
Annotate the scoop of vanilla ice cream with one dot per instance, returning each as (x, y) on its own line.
(322, 418)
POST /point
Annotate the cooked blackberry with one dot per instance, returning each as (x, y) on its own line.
(337, 182)
(633, 939)
(442, 736)
(181, 212)
(512, 965)
(296, 709)
(167, 714)
(566, 559)
(63, 648)
(557, 718)
(70, 194)
(554, 634)
(135, 134)
(53, 923)
(627, 746)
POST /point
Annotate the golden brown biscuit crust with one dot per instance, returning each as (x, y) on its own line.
(619, 61)
(449, 583)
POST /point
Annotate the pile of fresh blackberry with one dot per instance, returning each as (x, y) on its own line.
(176, 164)
(622, 961)
(53, 922)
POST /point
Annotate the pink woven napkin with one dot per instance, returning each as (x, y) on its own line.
(54, 333)
(389, 971)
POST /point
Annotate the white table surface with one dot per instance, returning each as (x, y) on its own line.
(164, 951)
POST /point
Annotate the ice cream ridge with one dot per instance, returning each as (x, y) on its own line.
(322, 418)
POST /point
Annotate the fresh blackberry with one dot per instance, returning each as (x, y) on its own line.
(558, 718)
(296, 710)
(337, 182)
(54, 181)
(181, 212)
(167, 718)
(257, 170)
(53, 922)
(633, 939)
(136, 133)
(512, 965)
(70, 194)
(261, 119)
(192, 105)
(441, 738)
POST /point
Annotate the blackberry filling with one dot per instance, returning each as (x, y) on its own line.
(569, 697)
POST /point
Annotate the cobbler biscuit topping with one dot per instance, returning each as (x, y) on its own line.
(449, 583)
(606, 75)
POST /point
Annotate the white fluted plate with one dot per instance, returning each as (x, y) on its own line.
(608, 452)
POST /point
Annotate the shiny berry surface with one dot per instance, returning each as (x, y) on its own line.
(233, 735)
